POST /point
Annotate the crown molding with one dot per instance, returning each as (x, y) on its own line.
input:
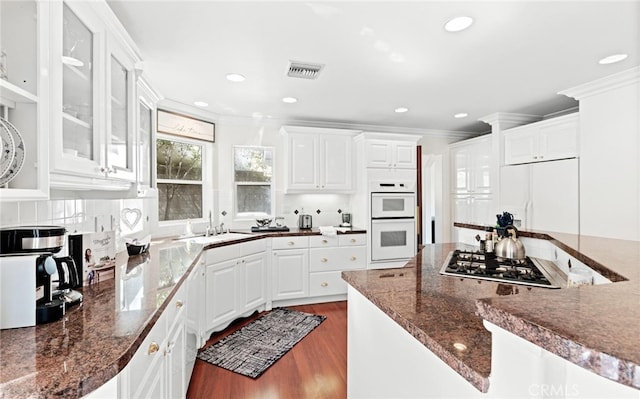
(602, 85)
(510, 118)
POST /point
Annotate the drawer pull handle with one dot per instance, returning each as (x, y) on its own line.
(323, 260)
(353, 258)
(324, 284)
(325, 241)
(153, 348)
(353, 240)
(179, 303)
(291, 243)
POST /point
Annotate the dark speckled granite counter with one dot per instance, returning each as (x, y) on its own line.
(95, 340)
(595, 327)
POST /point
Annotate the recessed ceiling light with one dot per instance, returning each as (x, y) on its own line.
(461, 115)
(458, 23)
(235, 77)
(200, 104)
(612, 58)
(289, 100)
(401, 110)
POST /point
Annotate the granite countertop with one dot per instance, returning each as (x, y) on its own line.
(96, 340)
(595, 327)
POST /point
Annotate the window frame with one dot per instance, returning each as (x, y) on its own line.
(206, 181)
(244, 216)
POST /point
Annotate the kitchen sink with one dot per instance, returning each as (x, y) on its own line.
(201, 239)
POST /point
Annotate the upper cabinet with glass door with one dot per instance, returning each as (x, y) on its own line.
(145, 138)
(93, 101)
(24, 95)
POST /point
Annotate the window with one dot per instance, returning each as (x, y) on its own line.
(253, 178)
(179, 177)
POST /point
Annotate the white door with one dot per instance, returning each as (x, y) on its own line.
(559, 141)
(175, 363)
(221, 293)
(290, 270)
(515, 193)
(521, 146)
(378, 154)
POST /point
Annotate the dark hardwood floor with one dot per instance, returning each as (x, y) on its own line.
(315, 368)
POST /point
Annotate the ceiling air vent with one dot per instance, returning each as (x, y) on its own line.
(304, 70)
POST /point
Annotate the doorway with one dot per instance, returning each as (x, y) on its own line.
(432, 199)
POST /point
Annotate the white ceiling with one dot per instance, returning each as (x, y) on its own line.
(379, 56)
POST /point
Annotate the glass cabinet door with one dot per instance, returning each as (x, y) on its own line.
(77, 87)
(119, 138)
(144, 147)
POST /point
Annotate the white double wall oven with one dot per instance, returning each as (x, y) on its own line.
(393, 226)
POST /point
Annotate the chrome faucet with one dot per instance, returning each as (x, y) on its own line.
(210, 229)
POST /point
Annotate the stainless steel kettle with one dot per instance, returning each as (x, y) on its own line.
(304, 221)
(510, 247)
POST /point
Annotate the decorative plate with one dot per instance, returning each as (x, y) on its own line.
(8, 149)
(18, 159)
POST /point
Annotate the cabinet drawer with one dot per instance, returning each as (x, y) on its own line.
(289, 242)
(327, 283)
(323, 241)
(352, 239)
(334, 259)
(253, 247)
(221, 254)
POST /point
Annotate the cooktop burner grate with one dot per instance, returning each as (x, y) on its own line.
(486, 266)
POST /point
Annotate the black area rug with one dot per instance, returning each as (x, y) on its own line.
(256, 346)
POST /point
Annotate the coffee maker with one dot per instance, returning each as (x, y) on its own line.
(346, 220)
(35, 286)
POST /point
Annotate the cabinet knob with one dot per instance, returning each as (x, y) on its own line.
(179, 303)
(324, 284)
(541, 156)
(353, 258)
(325, 241)
(153, 348)
(535, 157)
(323, 260)
(291, 243)
(353, 240)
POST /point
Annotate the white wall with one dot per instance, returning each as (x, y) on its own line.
(610, 163)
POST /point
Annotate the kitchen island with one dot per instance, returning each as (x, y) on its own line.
(593, 327)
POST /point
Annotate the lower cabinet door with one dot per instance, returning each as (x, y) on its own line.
(253, 281)
(175, 362)
(290, 277)
(327, 283)
(221, 293)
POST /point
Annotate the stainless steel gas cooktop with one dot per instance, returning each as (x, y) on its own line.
(486, 266)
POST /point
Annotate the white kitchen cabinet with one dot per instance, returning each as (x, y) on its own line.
(221, 292)
(290, 268)
(329, 256)
(24, 96)
(471, 166)
(319, 160)
(145, 137)
(236, 283)
(253, 278)
(546, 140)
(471, 181)
(93, 102)
(390, 154)
(473, 209)
(157, 369)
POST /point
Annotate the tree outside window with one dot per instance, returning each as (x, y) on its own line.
(179, 179)
(253, 177)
